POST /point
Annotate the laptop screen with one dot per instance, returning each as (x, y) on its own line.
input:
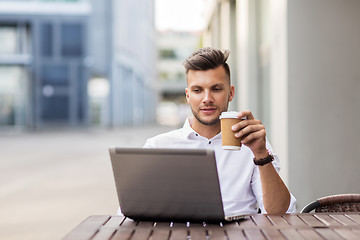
(167, 184)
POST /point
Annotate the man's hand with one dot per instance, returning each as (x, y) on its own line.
(276, 196)
(252, 134)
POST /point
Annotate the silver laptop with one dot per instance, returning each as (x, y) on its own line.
(168, 184)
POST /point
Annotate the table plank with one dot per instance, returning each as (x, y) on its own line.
(310, 234)
(244, 223)
(254, 234)
(327, 220)
(292, 234)
(104, 233)
(178, 234)
(179, 225)
(344, 220)
(273, 234)
(197, 233)
(115, 221)
(288, 226)
(141, 234)
(346, 233)
(217, 233)
(87, 228)
(129, 223)
(162, 225)
(278, 220)
(232, 225)
(294, 220)
(145, 224)
(355, 217)
(261, 220)
(328, 233)
(235, 234)
(196, 225)
(160, 234)
(312, 221)
(356, 231)
(123, 233)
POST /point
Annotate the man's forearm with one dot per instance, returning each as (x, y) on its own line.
(276, 196)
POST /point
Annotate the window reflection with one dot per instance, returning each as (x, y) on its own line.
(15, 45)
(71, 40)
(12, 95)
(8, 40)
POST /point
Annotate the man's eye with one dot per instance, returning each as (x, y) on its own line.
(196, 90)
(217, 89)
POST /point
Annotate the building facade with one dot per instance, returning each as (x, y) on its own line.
(173, 48)
(76, 63)
(44, 77)
(296, 66)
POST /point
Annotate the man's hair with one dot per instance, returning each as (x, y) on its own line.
(207, 58)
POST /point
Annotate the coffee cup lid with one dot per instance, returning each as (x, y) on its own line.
(231, 114)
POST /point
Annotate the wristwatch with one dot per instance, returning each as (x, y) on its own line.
(264, 161)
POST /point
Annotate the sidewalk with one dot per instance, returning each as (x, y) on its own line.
(51, 181)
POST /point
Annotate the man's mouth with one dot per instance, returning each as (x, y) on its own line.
(208, 110)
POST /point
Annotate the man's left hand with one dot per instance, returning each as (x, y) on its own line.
(252, 134)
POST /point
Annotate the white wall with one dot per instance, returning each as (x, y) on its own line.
(266, 98)
(324, 97)
(314, 83)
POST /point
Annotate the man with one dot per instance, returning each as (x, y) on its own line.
(245, 186)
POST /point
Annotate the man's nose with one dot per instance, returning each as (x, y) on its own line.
(207, 97)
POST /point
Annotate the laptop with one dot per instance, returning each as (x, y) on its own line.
(168, 184)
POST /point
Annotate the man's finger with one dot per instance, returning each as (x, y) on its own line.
(246, 113)
(244, 123)
(249, 129)
(253, 136)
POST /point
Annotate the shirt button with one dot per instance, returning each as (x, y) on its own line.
(209, 142)
(196, 134)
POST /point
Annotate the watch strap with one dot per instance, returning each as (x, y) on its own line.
(263, 161)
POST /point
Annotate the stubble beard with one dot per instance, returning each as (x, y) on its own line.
(212, 122)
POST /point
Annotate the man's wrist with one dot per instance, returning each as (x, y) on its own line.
(263, 161)
(262, 154)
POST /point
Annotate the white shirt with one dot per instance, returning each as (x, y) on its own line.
(239, 178)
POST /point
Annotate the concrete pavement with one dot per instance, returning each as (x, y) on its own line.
(51, 181)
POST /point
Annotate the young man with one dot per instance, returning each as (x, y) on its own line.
(249, 177)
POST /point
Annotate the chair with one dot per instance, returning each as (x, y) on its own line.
(335, 203)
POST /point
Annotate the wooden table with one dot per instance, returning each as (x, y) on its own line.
(288, 226)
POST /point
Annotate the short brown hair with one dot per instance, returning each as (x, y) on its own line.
(207, 58)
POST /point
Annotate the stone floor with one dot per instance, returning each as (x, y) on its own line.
(50, 181)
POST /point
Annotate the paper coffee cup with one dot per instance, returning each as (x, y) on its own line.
(229, 141)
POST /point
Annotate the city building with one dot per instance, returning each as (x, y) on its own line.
(297, 68)
(76, 63)
(173, 48)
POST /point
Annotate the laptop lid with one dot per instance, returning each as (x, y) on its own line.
(167, 184)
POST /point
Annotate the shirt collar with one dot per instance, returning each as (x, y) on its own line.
(189, 133)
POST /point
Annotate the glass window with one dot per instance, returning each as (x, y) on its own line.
(46, 37)
(13, 81)
(167, 54)
(164, 76)
(56, 74)
(15, 39)
(60, 0)
(9, 43)
(55, 108)
(180, 76)
(71, 40)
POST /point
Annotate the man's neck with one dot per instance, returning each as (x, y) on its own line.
(208, 131)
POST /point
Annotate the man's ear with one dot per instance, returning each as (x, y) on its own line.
(232, 92)
(187, 95)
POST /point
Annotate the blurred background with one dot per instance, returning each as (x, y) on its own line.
(77, 76)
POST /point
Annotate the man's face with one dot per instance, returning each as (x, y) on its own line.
(208, 93)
